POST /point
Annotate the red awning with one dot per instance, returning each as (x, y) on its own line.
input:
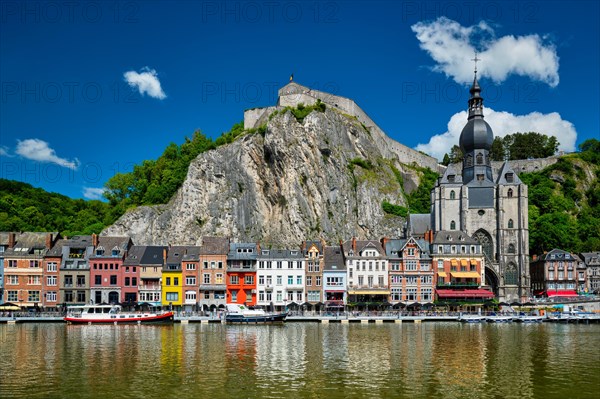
(561, 293)
(465, 293)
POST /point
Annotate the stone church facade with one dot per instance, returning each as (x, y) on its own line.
(488, 204)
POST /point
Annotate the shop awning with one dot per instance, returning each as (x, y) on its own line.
(478, 293)
(453, 262)
(441, 274)
(368, 292)
(326, 290)
(473, 262)
(463, 262)
(562, 293)
(465, 274)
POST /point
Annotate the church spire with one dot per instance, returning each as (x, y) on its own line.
(476, 101)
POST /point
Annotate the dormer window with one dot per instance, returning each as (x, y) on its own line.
(469, 160)
(451, 178)
(510, 177)
(100, 250)
(115, 251)
(480, 177)
(448, 237)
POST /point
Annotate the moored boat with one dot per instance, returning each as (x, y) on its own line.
(113, 314)
(471, 318)
(242, 314)
(529, 319)
(494, 318)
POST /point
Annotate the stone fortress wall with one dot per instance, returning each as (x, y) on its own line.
(293, 94)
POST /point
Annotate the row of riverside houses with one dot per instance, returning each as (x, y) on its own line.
(44, 270)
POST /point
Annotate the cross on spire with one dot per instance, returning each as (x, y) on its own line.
(475, 60)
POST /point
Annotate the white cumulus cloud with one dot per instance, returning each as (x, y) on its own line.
(504, 123)
(39, 150)
(146, 82)
(93, 193)
(4, 151)
(451, 46)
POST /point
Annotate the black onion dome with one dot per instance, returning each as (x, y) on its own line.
(476, 135)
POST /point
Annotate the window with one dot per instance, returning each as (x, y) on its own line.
(411, 294)
(113, 280)
(234, 295)
(318, 281)
(426, 294)
(219, 278)
(33, 296)
(290, 280)
(298, 280)
(51, 267)
(80, 296)
(81, 281)
(279, 264)
(172, 296)
(261, 296)
(308, 280)
(51, 296)
(279, 280)
(219, 265)
(411, 252)
(299, 296)
(381, 282)
(440, 264)
(453, 225)
(509, 193)
(361, 280)
(68, 281)
(411, 265)
(479, 159)
(395, 266)
(511, 248)
(396, 294)
(269, 280)
(133, 281)
(452, 195)
(314, 296)
(279, 297)
(127, 281)
(249, 280)
(212, 264)
(190, 280)
(511, 276)
(190, 266)
(12, 263)
(11, 296)
(426, 280)
(235, 279)
(451, 178)
(206, 278)
(34, 263)
(370, 281)
(480, 177)
(510, 224)
(51, 280)
(190, 296)
(510, 177)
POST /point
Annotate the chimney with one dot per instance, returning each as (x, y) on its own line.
(258, 246)
(12, 239)
(48, 240)
(94, 240)
(164, 256)
(354, 244)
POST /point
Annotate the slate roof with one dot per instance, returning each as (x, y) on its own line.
(308, 244)
(192, 253)
(334, 259)
(294, 254)
(242, 251)
(453, 237)
(419, 224)
(26, 242)
(122, 244)
(145, 255)
(175, 254)
(502, 175)
(591, 259)
(214, 246)
(362, 245)
(558, 254)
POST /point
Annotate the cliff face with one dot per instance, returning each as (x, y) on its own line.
(301, 180)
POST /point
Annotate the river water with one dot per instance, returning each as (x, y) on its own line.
(301, 360)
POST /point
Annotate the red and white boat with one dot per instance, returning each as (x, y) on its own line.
(113, 314)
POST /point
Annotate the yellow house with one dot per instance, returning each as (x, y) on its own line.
(172, 279)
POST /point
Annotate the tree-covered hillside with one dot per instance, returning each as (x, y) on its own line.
(26, 208)
(564, 202)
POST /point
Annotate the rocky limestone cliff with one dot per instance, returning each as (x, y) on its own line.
(296, 182)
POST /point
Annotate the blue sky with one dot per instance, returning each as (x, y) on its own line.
(91, 88)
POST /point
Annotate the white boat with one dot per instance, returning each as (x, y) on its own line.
(498, 319)
(113, 314)
(530, 319)
(471, 318)
(237, 313)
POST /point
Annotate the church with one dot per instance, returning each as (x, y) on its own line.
(488, 202)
